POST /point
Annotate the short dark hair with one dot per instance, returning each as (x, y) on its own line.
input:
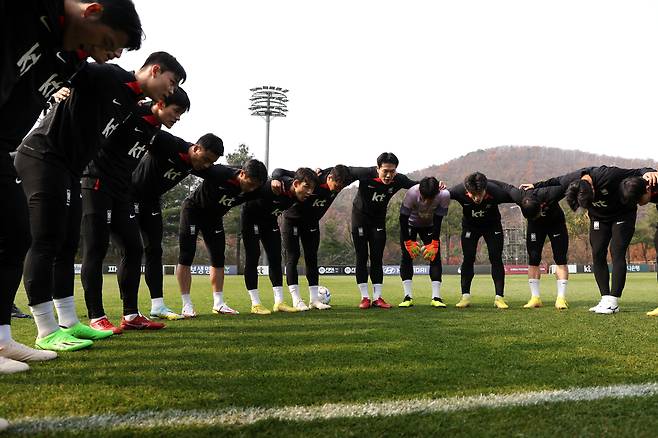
(530, 206)
(476, 182)
(167, 63)
(121, 15)
(429, 187)
(579, 194)
(341, 174)
(178, 97)
(387, 157)
(212, 143)
(632, 189)
(255, 170)
(307, 175)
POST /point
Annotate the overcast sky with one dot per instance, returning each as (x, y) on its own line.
(427, 80)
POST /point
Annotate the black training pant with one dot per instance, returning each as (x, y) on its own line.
(406, 263)
(493, 237)
(14, 236)
(616, 234)
(309, 235)
(195, 219)
(149, 215)
(368, 237)
(556, 233)
(54, 205)
(265, 231)
(105, 217)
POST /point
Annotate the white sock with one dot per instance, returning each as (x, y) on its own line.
(313, 294)
(562, 288)
(157, 303)
(499, 297)
(436, 289)
(406, 285)
(131, 316)
(376, 291)
(93, 320)
(5, 334)
(187, 299)
(255, 296)
(612, 301)
(217, 299)
(294, 293)
(44, 318)
(466, 296)
(363, 288)
(278, 294)
(66, 311)
(534, 286)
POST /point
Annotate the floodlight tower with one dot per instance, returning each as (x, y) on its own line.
(268, 102)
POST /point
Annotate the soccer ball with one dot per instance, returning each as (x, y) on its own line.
(324, 294)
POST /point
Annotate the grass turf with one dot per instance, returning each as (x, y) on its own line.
(350, 355)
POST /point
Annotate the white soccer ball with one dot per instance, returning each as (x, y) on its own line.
(324, 294)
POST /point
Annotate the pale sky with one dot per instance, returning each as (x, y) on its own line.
(427, 80)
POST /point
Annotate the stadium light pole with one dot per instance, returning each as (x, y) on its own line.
(268, 102)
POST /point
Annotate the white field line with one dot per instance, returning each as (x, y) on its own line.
(245, 416)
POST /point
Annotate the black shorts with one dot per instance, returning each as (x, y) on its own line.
(194, 220)
(536, 236)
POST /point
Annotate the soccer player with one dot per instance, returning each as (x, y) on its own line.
(259, 222)
(43, 43)
(612, 224)
(540, 206)
(171, 161)
(108, 211)
(479, 199)
(377, 185)
(50, 162)
(421, 214)
(223, 188)
(301, 222)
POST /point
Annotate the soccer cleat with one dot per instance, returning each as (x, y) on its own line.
(463, 302)
(654, 312)
(188, 311)
(283, 307)
(17, 351)
(301, 306)
(379, 302)
(165, 312)
(533, 303)
(4, 424)
(11, 366)
(224, 309)
(406, 302)
(365, 303)
(561, 303)
(59, 340)
(319, 305)
(259, 309)
(81, 331)
(593, 309)
(438, 302)
(17, 313)
(500, 303)
(140, 322)
(105, 324)
(606, 309)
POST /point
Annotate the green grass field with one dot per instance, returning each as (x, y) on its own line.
(351, 356)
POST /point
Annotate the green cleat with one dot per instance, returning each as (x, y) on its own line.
(438, 303)
(81, 331)
(62, 341)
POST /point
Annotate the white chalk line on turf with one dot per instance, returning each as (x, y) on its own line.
(246, 416)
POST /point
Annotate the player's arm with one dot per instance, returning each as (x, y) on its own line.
(617, 173)
(564, 180)
(550, 194)
(406, 208)
(405, 182)
(515, 194)
(361, 173)
(278, 173)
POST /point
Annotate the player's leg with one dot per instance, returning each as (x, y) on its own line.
(188, 230)
(290, 235)
(271, 238)
(495, 240)
(535, 238)
(360, 241)
(469, 241)
(310, 238)
(215, 239)
(622, 233)
(600, 234)
(407, 271)
(559, 237)
(377, 242)
(251, 240)
(654, 312)
(436, 270)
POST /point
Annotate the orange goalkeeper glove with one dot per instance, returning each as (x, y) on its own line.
(431, 250)
(412, 248)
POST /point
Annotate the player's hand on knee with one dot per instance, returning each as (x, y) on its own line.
(431, 250)
(412, 248)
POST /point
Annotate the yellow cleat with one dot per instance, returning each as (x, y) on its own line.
(561, 303)
(464, 302)
(259, 309)
(407, 302)
(283, 307)
(500, 303)
(654, 312)
(533, 303)
(438, 302)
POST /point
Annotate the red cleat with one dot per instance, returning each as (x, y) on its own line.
(105, 324)
(379, 302)
(365, 303)
(141, 323)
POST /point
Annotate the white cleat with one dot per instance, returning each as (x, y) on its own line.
(606, 309)
(593, 309)
(10, 366)
(318, 305)
(224, 309)
(19, 352)
(301, 306)
(188, 311)
(4, 424)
